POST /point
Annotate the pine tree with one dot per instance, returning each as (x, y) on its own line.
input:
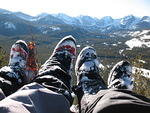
(3, 57)
(142, 84)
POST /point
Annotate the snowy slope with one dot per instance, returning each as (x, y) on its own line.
(140, 39)
(145, 72)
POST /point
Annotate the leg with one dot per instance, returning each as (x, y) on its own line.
(55, 73)
(50, 91)
(119, 98)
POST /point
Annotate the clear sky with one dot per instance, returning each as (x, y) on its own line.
(94, 8)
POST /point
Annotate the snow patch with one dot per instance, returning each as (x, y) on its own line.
(78, 46)
(101, 66)
(45, 32)
(9, 25)
(54, 28)
(144, 72)
(142, 61)
(114, 44)
(138, 42)
(120, 51)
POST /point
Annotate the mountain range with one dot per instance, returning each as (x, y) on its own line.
(18, 23)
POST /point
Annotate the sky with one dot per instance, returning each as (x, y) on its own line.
(94, 8)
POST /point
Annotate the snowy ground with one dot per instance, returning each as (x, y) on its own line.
(142, 39)
(145, 72)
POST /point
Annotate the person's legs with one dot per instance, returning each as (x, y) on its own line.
(50, 91)
(13, 76)
(93, 95)
(55, 73)
(119, 98)
(89, 82)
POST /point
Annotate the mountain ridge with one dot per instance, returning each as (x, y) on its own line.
(47, 24)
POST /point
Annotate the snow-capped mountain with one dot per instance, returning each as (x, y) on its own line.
(87, 20)
(106, 21)
(67, 19)
(23, 16)
(129, 22)
(3, 11)
(45, 22)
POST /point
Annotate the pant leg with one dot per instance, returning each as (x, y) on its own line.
(54, 76)
(34, 98)
(117, 101)
(2, 96)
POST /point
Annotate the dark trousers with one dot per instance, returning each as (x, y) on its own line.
(115, 101)
(49, 92)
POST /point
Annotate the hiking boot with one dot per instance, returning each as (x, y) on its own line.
(13, 76)
(19, 54)
(87, 71)
(120, 76)
(60, 62)
(62, 56)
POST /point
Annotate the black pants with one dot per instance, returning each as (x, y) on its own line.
(52, 75)
(49, 92)
(115, 101)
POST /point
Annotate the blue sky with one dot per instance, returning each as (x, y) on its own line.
(95, 8)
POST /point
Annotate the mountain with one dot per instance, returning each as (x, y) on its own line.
(18, 23)
(49, 20)
(106, 21)
(3, 11)
(144, 23)
(129, 22)
(67, 19)
(23, 16)
(11, 25)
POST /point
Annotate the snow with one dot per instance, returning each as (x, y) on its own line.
(145, 37)
(9, 25)
(10, 72)
(67, 19)
(133, 43)
(142, 61)
(139, 33)
(114, 44)
(78, 46)
(42, 15)
(142, 42)
(120, 51)
(87, 66)
(144, 32)
(147, 20)
(144, 72)
(45, 32)
(101, 66)
(68, 42)
(54, 28)
(105, 43)
(119, 42)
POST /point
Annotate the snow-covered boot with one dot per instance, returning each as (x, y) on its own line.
(19, 54)
(89, 81)
(60, 62)
(87, 71)
(120, 76)
(13, 76)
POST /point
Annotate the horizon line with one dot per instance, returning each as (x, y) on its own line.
(71, 15)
